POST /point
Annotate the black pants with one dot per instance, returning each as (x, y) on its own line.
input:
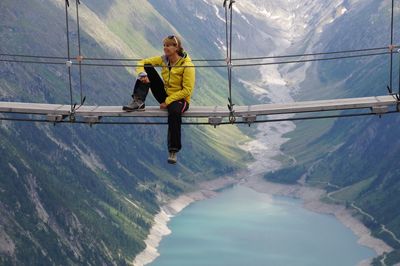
(175, 109)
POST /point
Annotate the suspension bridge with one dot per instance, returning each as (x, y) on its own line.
(214, 115)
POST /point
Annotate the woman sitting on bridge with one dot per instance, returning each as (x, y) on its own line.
(173, 92)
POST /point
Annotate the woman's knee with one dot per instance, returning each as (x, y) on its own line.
(174, 109)
(149, 69)
(174, 112)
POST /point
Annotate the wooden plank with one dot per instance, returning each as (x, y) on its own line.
(32, 108)
(205, 111)
(319, 106)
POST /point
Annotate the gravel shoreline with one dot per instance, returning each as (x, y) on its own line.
(310, 197)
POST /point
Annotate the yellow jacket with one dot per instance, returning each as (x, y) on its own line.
(178, 81)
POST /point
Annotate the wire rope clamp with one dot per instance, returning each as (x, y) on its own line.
(379, 110)
(55, 118)
(68, 63)
(232, 116)
(79, 58)
(215, 121)
(249, 119)
(91, 119)
(229, 64)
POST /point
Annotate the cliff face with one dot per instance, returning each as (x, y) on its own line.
(72, 194)
(356, 156)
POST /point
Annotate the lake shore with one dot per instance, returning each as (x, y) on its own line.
(205, 190)
(310, 197)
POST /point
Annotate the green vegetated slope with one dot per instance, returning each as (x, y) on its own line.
(74, 194)
(358, 154)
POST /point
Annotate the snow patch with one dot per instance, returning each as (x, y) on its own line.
(217, 13)
(199, 16)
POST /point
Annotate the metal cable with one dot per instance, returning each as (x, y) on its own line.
(391, 50)
(34, 56)
(399, 77)
(226, 29)
(69, 55)
(79, 57)
(232, 117)
(207, 66)
(310, 60)
(311, 54)
(206, 60)
(304, 118)
(31, 62)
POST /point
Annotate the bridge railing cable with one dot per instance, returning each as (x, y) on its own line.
(204, 66)
(79, 57)
(209, 63)
(258, 121)
(85, 58)
(69, 62)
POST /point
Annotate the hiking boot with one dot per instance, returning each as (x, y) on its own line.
(135, 105)
(172, 157)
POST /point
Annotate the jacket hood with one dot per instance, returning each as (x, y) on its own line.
(185, 56)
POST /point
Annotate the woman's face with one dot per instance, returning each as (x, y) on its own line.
(170, 49)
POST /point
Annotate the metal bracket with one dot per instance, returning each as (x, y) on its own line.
(91, 119)
(79, 58)
(249, 119)
(380, 110)
(232, 116)
(214, 121)
(55, 118)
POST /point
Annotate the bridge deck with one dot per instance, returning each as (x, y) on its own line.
(377, 104)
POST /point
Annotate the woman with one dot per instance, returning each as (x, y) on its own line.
(173, 92)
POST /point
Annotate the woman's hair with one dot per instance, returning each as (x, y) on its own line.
(175, 41)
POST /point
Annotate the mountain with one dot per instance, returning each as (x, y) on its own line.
(353, 158)
(73, 194)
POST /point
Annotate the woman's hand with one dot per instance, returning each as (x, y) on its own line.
(163, 106)
(145, 79)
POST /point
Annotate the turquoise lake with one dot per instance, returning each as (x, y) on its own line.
(243, 227)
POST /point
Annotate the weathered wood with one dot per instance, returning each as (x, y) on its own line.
(91, 119)
(377, 104)
(55, 118)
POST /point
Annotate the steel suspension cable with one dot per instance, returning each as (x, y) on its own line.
(228, 59)
(69, 63)
(148, 123)
(311, 54)
(226, 30)
(205, 66)
(79, 57)
(232, 117)
(205, 60)
(311, 60)
(390, 88)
